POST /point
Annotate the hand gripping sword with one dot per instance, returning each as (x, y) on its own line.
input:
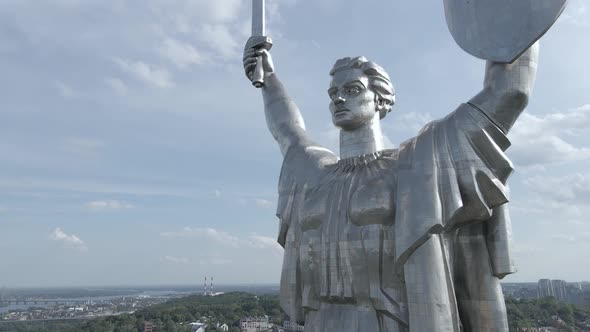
(258, 40)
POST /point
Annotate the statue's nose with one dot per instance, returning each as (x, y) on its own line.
(339, 101)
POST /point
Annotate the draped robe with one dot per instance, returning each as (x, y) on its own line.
(349, 226)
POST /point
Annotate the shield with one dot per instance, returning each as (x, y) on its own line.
(500, 30)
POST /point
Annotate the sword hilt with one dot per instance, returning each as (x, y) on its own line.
(259, 42)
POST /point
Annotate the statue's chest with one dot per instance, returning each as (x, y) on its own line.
(360, 197)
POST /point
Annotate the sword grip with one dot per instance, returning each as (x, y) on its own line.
(258, 73)
(258, 42)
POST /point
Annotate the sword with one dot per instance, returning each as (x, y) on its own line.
(258, 40)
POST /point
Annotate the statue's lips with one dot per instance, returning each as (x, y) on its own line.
(342, 111)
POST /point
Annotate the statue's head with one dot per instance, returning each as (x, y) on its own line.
(359, 89)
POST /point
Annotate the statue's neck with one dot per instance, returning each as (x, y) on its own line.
(363, 140)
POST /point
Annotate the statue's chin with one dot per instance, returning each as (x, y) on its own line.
(347, 123)
(344, 125)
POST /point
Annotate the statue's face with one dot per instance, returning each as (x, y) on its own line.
(352, 102)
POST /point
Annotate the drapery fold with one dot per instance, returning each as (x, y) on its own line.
(452, 173)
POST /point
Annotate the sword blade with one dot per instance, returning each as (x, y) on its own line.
(258, 18)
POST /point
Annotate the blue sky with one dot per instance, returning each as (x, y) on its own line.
(134, 151)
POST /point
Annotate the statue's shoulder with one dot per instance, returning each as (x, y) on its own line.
(306, 162)
(303, 167)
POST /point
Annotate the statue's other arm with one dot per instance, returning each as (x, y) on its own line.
(283, 117)
(507, 88)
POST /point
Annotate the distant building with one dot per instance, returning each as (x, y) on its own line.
(554, 288)
(544, 288)
(208, 291)
(525, 293)
(560, 289)
(289, 326)
(198, 326)
(149, 327)
(223, 327)
(205, 291)
(575, 293)
(255, 324)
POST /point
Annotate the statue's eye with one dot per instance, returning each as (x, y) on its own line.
(353, 90)
(332, 95)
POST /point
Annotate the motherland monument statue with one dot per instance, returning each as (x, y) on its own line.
(409, 239)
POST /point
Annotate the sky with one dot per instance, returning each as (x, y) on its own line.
(133, 150)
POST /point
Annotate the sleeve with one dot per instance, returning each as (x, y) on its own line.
(453, 172)
(475, 146)
(302, 166)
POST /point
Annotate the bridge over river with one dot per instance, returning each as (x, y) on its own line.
(6, 303)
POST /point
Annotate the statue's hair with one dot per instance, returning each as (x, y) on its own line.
(379, 80)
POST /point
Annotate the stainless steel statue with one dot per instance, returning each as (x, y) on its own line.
(416, 238)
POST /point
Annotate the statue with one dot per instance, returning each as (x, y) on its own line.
(409, 239)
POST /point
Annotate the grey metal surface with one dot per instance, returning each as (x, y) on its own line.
(411, 239)
(258, 18)
(500, 30)
(258, 40)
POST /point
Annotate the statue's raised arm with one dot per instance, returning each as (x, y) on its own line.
(502, 32)
(507, 87)
(283, 117)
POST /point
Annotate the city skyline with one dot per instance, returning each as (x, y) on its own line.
(133, 150)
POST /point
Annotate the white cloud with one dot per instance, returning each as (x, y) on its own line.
(540, 140)
(147, 73)
(558, 198)
(211, 260)
(64, 90)
(176, 260)
(218, 28)
(569, 188)
(117, 85)
(264, 242)
(330, 138)
(33, 185)
(521, 249)
(577, 14)
(190, 11)
(181, 54)
(564, 238)
(387, 143)
(577, 238)
(217, 193)
(253, 241)
(219, 38)
(215, 261)
(108, 205)
(263, 203)
(410, 121)
(243, 200)
(204, 233)
(68, 241)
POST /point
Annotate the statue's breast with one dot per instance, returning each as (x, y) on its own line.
(372, 203)
(363, 198)
(314, 209)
